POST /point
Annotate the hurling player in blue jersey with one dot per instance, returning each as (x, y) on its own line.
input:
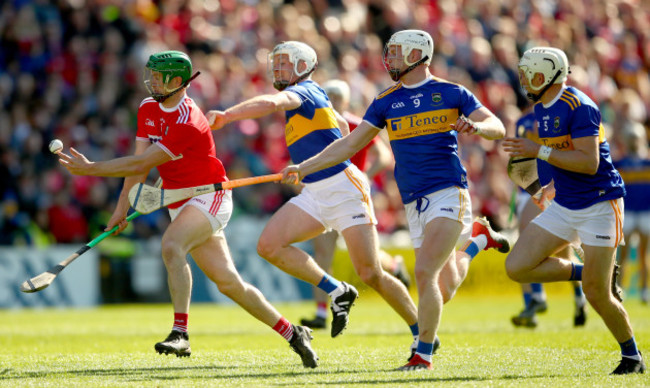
(335, 198)
(588, 202)
(527, 209)
(423, 116)
(635, 170)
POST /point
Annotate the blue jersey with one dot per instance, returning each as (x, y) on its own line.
(571, 116)
(312, 127)
(526, 129)
(636, 175)
(418, 120)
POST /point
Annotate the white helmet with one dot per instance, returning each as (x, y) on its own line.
(409, 40)
(551, 62)
(337, 87)
(297, 52)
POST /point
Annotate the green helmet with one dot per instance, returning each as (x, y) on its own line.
(170, 64)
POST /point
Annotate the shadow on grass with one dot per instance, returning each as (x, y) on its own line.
(160, 373)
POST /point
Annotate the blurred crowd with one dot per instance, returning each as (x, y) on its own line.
(72, 70)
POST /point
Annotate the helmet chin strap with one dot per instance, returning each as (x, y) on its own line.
(538, 96)
(281, 85)
(396, 75)
(163, 97)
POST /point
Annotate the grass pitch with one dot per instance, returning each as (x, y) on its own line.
(113, 346)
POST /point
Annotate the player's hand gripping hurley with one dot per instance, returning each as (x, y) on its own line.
(146, 199)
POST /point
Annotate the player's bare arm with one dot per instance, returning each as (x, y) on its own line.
(481, 122)
(342, 123)
(583, 158)
(254, 108)
(78, 164)
(336, 152)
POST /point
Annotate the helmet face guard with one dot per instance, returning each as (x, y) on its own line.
(294, 53)
(162, 68)
(550, 62)
(407, 41)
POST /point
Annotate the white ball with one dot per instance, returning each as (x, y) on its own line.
(56, 146)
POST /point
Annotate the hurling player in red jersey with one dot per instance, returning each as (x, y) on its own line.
(174, 136)
(371, 159)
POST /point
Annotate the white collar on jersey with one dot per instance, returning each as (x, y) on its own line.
(554, 100)
(417, 85)
(169, 110)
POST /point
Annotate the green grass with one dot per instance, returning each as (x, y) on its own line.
(113, 346)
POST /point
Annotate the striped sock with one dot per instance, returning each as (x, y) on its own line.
(576, 271)
(180, 322)
(425, 350)
(328, 284)
(629, 349)
(284, 328)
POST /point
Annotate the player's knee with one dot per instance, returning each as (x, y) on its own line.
(370, 276)
(514, 271)
(171, 252)
(230, 288)
(597, 294)
(266, 247)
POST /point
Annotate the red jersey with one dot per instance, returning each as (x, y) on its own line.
(360, 158)
(182, 132)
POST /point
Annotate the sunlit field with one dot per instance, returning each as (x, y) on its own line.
(113, 346)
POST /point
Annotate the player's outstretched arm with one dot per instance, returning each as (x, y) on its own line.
(338, 151)
(253, 108)
(78, 164)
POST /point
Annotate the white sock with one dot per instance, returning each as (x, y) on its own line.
(337, 292)
(425, 357)
(636, 357)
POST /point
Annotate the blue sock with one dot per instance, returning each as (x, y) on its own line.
(628, 348)
(527, 298)
(415, 330)
(425, 348)
(537, 288)
(472, 250)
(576, 271)
(328, 283)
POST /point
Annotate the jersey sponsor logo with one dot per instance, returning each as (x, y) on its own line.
(558, 143)
(359, 216)
(436, 98)
(149, 123)
(397, 105)
(447, 209)
(601, 237)
(421, 124)
(419, 95)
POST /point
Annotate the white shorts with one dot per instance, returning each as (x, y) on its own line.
(452, 202)
(216, 207)
(636, 221)
(599, 225)
(338, 202)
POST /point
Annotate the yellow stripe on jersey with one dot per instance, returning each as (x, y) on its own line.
(562, 143)
(420, 124)
(568, 101)
(389, 90)
(299, 126)
(601, 133)
(638, 176)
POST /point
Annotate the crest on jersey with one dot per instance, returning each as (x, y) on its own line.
(556, 122)
(436, 98)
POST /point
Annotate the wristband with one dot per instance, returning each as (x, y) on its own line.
(544, 153)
